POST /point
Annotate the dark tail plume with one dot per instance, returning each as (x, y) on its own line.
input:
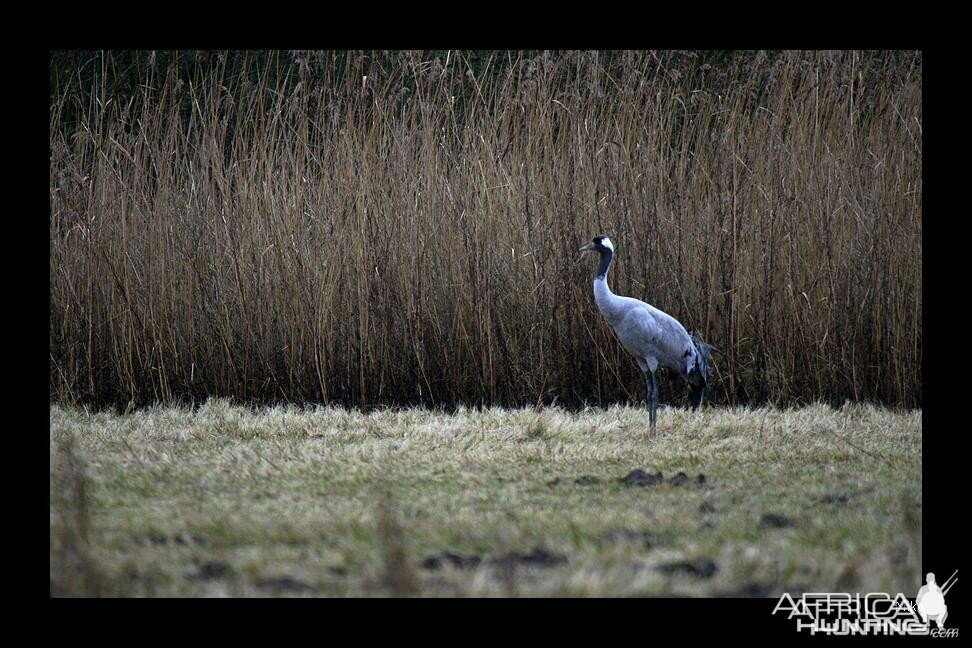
(701, 375)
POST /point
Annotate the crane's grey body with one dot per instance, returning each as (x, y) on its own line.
(653, 337)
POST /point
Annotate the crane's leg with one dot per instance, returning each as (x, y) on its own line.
(695, 395)
(654, 398)
(652, 385)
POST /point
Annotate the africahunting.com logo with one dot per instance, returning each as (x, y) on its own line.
(875, 613)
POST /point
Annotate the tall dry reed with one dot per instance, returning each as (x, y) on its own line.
(401, 227)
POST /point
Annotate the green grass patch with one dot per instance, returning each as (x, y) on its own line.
(281, 501)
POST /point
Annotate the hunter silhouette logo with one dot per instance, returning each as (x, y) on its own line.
(872, 613)
(930, 601)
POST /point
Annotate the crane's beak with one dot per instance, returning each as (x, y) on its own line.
(587, 248)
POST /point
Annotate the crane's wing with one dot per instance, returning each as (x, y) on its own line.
(647, 332)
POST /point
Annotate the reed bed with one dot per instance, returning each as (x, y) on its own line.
(401, 228)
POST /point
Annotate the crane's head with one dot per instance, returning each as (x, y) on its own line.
(600, 244)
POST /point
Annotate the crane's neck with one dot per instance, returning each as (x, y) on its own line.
(603, 266)
(606, 300)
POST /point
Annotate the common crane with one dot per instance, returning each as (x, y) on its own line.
(654, 338)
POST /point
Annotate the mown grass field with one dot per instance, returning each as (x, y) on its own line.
(236, 501)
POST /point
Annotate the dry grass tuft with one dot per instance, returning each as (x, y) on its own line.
(73, 568)
(399, 576)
